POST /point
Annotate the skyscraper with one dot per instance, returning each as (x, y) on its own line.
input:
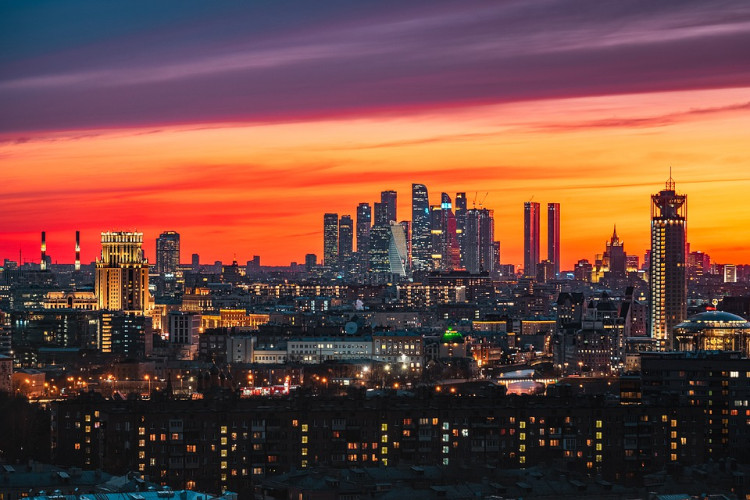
(420, 227)
(346, 239)
(460, 212)
(479, 245)
(615, 256)
(380, 214)
(388, 198)
(667, 276)
(330, 239)
(530, 238)
(446, 253)
(364, 221)
(122, 274)
(397, 250)
(553, 236)
(167, 252)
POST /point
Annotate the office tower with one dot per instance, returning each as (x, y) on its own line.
(380, 238)
(553, 236)
(122, 273)
(446, 253)
(380, 214)
(43, 260)
(667, 277)
(195, 261)
(397, 251)
(407, 233)
(460, 213)
(479, 241)
(530, 238)
(420, 227)
(78, 251)
(167, 252)
(330, 239)
(364, 223)
(346, 239)
(615, 257)
(388, 198)
(311, 260)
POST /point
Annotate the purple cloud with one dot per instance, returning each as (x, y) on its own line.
(246, 63)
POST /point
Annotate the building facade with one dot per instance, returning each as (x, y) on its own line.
(530, 238)
(668, 264)
(167, 252)
(553, 236)
(121, 282)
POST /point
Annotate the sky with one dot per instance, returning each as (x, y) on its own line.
(239, 124)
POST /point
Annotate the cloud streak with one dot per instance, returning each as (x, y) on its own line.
(362, 60)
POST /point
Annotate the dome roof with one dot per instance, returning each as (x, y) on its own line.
(714, 319)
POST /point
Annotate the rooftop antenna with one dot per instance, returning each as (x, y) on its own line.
(670, 181)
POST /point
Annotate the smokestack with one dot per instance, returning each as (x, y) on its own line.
(43, 263)
(78, 251)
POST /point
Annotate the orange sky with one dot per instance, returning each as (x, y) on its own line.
(241, 189)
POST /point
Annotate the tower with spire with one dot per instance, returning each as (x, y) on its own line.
(614, 256)
(667, 271)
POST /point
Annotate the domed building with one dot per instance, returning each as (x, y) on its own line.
(713, 331)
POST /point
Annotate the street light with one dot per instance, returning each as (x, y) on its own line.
(148, 379)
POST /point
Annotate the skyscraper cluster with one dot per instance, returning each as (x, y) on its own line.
(444, 237)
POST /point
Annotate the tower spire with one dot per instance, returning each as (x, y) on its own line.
(670, 181)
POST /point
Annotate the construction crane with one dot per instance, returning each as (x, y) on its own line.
(483, 198)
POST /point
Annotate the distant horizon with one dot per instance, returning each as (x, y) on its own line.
(149, 243)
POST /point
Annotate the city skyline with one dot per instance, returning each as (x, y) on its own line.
(152, 256)
(540, 114)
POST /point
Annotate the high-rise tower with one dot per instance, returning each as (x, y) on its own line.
(330, 239)
(446, 253)
(346, 239)
(364, 222)
(167, 252)
(667, 271)
(553, 236)
(530, 238)
(459, 207)
(479, 244)
(122, 274)
(388, 198)
(420, 227)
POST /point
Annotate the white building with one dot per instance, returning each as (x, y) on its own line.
(320, 349)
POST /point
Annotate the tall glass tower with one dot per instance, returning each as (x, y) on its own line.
(364, 222)
(667, 272)
(388, 198)
(330, 239)
(530, 238)
(167, 252)
(346, 240)
(420, 227)
(553, 236)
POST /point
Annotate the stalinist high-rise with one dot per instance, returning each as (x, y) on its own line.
(667, 272)
(122, 274)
